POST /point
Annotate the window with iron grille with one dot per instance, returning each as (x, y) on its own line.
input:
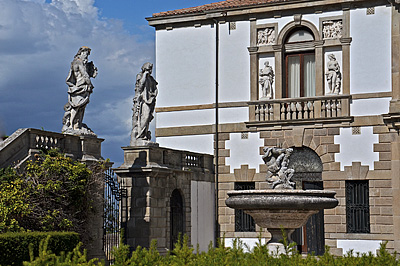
(357, 206)
(243, 221)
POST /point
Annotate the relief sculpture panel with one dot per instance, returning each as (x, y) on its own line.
(332, 29)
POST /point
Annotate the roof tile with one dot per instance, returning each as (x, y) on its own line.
(215, 6)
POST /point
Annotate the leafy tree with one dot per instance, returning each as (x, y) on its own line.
(53, 193)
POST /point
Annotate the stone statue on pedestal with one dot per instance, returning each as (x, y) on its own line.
(266, 80)
(277, 160)
(333, 75)
(144, 103)
(79, 89)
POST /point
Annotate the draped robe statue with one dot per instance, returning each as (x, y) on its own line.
(79, 89)
(143, 105)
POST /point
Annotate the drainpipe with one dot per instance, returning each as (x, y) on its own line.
(216, 129)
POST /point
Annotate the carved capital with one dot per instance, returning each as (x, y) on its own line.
(319, 44)
(277, 48)
(252, 49)
(346, 41)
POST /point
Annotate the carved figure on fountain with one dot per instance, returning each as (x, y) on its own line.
(79, 89)
(279, 174)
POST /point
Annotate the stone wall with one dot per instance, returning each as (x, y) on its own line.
(382, 182)
(150, 175)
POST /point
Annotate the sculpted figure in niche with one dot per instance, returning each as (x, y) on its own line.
(277, 161)
(266, 80)
(79, 89)
(333, 75)
(266, 36)
(143, 105)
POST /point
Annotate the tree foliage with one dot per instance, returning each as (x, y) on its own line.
(53, 193)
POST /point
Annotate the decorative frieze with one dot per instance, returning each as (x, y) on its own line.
(332, 29)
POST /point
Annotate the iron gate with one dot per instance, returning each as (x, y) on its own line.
(114, 209)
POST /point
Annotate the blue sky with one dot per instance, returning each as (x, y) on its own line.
(38, 40)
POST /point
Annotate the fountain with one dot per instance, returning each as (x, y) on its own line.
(281, 206)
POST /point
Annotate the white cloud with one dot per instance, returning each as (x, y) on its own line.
(38, 41)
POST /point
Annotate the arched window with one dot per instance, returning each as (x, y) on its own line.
(300, 64)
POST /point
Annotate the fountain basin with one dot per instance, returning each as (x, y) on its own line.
(274, 209)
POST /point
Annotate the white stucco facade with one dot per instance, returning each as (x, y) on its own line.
(186, 68)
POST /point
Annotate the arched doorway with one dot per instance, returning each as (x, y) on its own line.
(176, 217)
(308, 175)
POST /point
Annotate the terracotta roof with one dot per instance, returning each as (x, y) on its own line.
(215, 6)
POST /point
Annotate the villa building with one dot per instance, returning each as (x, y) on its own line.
(321, 76)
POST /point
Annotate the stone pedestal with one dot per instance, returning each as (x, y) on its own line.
(151, 176)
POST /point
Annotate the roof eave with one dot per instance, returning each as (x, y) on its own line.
(252, 9)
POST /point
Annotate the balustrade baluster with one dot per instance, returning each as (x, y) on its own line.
(283, 111)
(306, 110)
(271, 112)
(323, 111)
(310, 105)
(262, 113)
(299, 110)
(334, 108)
(288, 112)
(257, 111)
(293, 110)
(339, 108)
(328, 108)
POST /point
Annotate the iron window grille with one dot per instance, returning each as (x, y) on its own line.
(357, 206)
(243, 221)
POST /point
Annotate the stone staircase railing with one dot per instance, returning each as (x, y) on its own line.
(24, 143)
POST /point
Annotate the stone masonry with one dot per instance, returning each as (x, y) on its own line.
(150, 175)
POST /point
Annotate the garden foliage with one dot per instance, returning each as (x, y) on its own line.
(14, 247)
(51, 194)
(238, 255)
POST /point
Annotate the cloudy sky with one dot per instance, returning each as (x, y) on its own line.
(38, 40)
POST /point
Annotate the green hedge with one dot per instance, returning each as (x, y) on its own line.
(14, 247)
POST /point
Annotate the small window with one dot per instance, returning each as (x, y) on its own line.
(243, 221)
(357, 206)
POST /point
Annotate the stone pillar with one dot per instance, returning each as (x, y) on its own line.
(395, 102)
(89, 153)
(150, 174)
(395, 148)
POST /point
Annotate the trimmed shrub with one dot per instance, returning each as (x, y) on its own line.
(47, 257)
(14, 247)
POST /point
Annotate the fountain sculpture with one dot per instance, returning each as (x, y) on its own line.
(281, 206)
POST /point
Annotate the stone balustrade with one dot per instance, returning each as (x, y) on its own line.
(26, 142)
(151, 156)
(302, 109)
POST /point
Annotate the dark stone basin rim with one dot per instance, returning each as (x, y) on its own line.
(257, 200)
(285, 204)
(284, 192)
